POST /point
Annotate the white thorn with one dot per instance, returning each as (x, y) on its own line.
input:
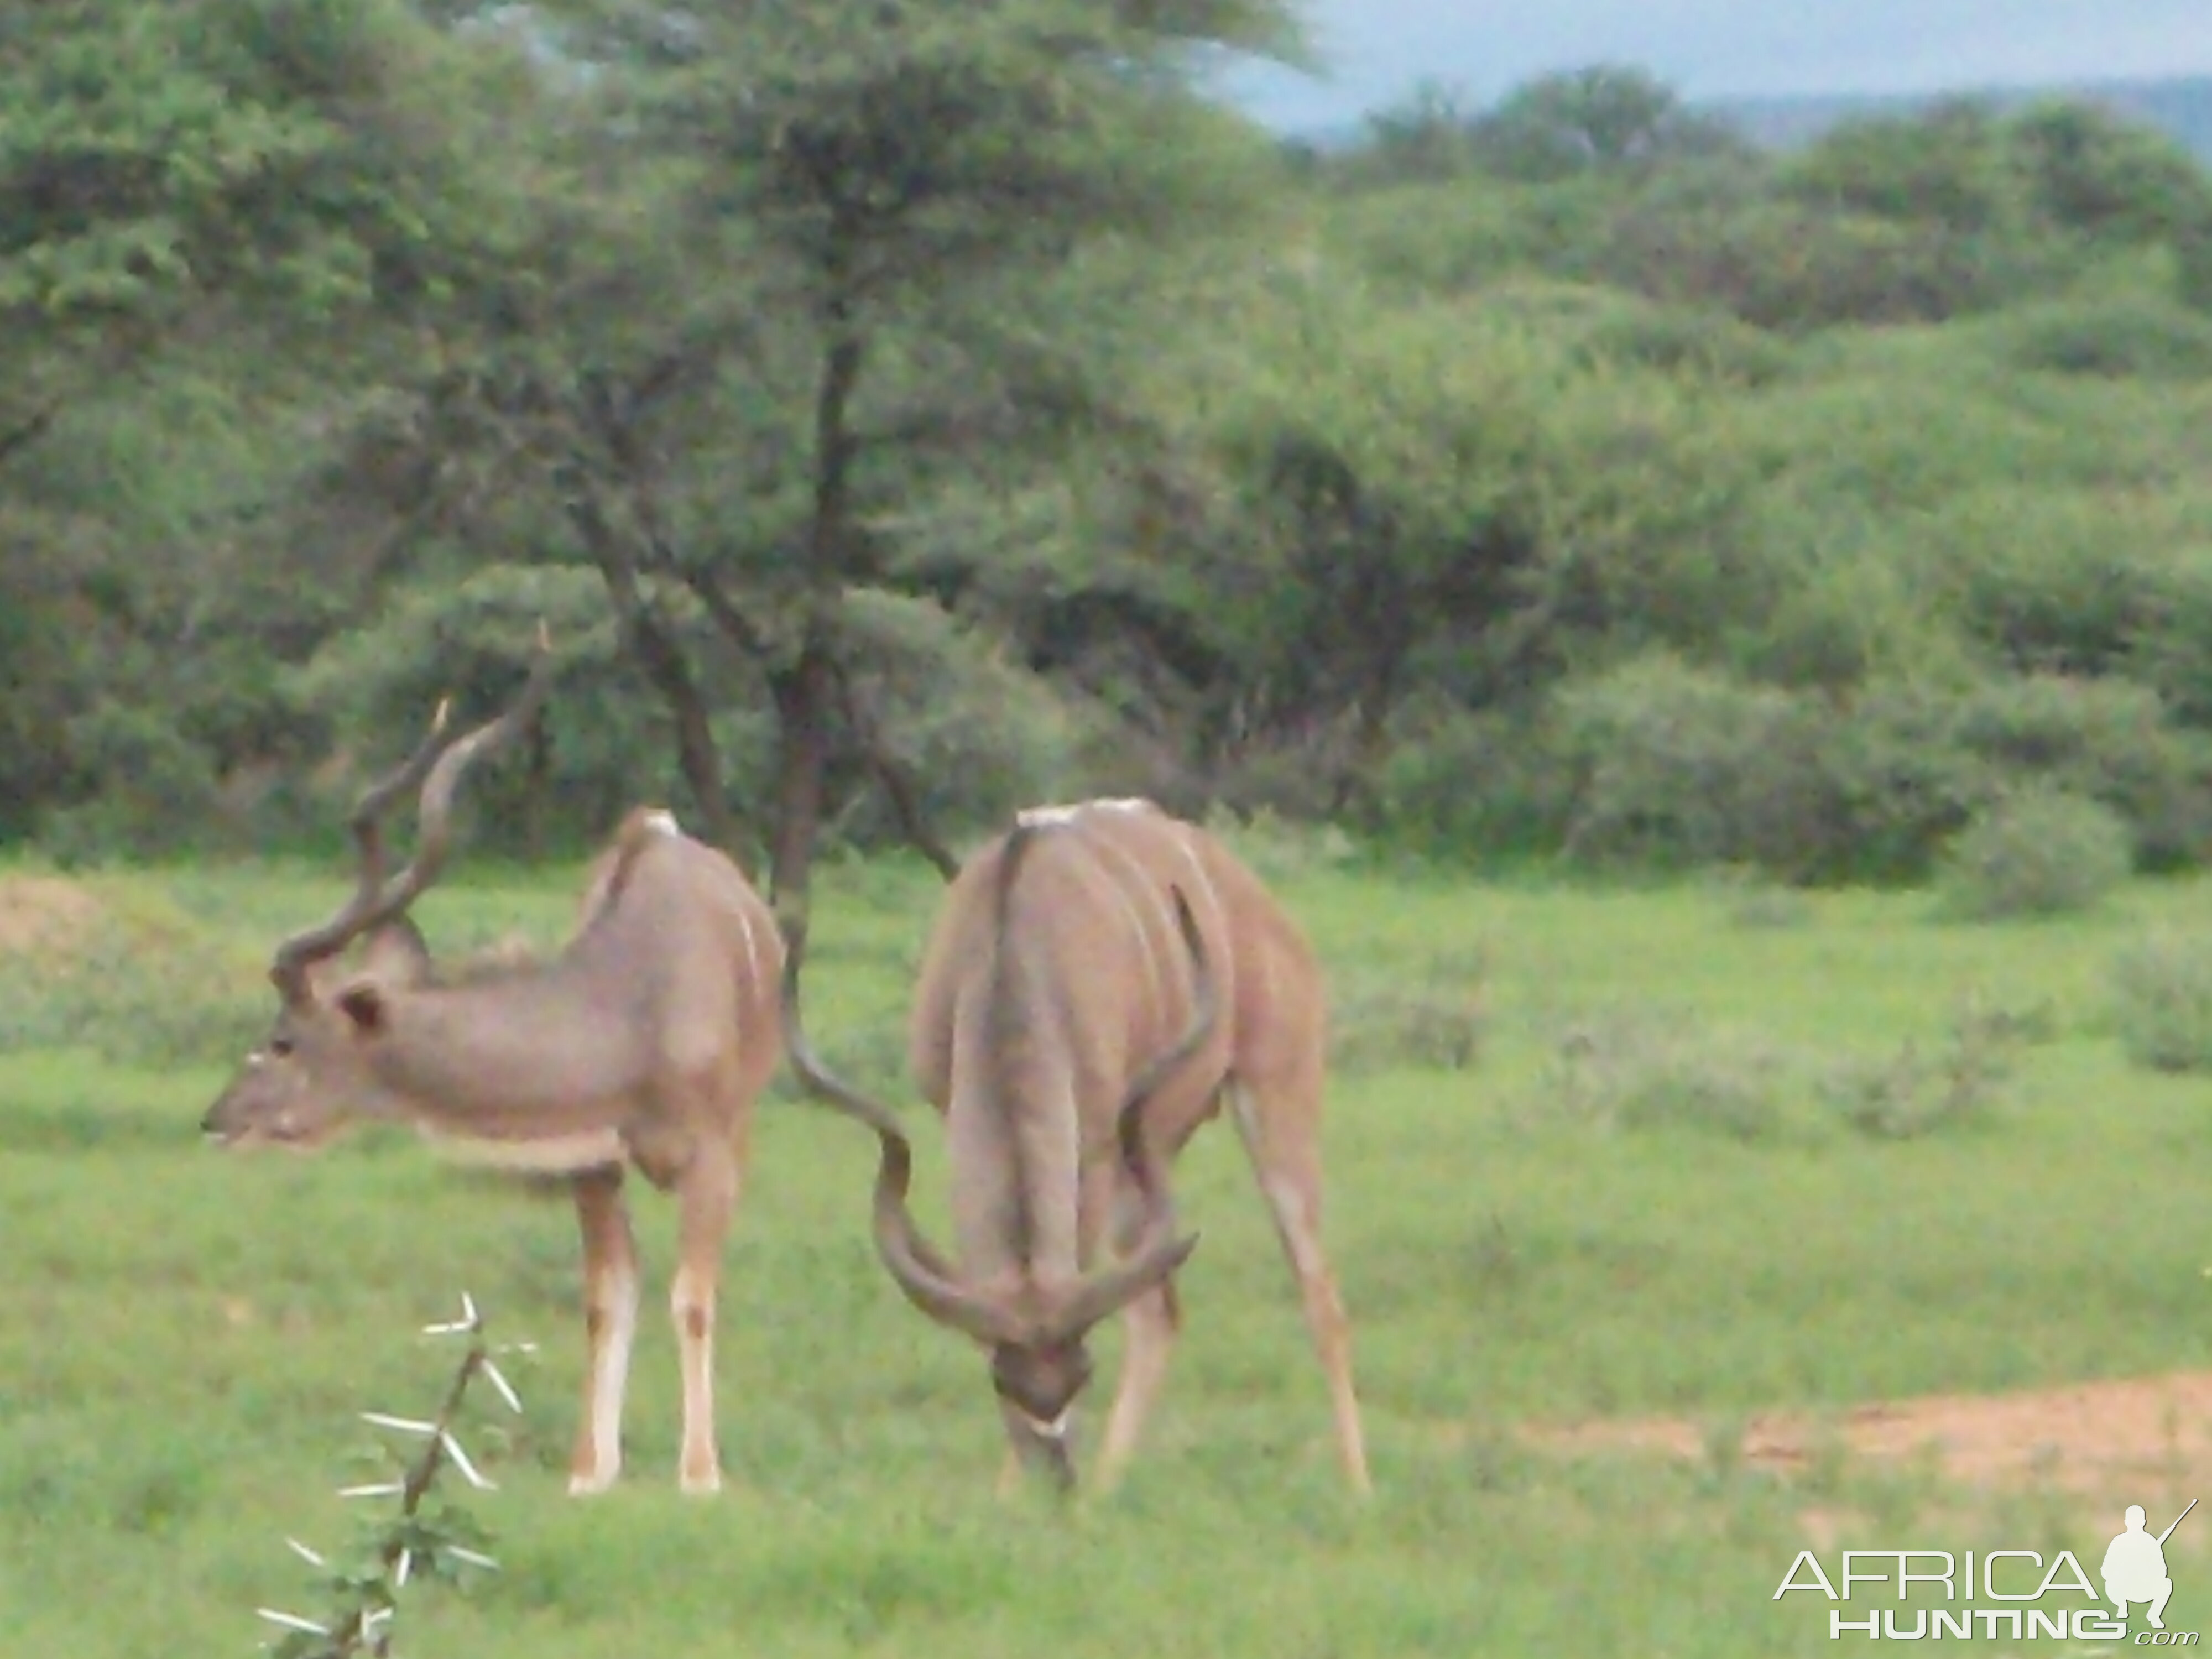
(379, 1489)
(472, 1557)
(406, 1560)
(292, 1621)
(305, 1554)
(405, 1425)
(506, 1389)
(470, 1321)
(461, 1462)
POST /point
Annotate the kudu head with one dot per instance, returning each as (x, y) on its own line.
(1037, 1334)
(315, 1070)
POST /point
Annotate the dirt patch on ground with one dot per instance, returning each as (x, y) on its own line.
(2088, 1438)
(44, 915)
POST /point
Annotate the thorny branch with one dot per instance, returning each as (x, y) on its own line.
(411, 1544)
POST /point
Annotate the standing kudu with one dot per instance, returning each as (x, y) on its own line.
(1097, 979)
(644, 1041)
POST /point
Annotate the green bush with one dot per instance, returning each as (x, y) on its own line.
(1910, 1094)
(1900, 782)
(2110, 740)
(978, 734)
(1689, 340)
(1908, 765)
(2041, 851)
(2162, 1002)
(1676, 766)
(155, 787)
(2130, 335)
(1643, 1068)
(1455, 784)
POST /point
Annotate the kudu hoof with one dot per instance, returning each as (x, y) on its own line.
(695, 1482)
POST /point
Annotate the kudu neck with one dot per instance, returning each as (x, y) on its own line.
(544, 1051)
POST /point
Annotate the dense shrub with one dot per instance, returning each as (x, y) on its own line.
(1661, 764)
(150, 787)
(1456, 784)
(979, 735)
(2108, 740)
(2162, 1001)
(2040, 852)
(1908, 765)
(2130, 335)
(1689, 340)
(1681, 766)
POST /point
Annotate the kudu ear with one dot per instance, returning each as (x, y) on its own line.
(396, 954)
(363, 1004)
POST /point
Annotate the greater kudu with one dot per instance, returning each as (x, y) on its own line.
(645, 1040)
(1097, 979)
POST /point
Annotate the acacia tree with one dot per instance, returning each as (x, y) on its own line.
(819, 268)
(181, 187)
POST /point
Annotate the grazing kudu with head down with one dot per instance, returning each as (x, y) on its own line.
(1097, 979)
(645, 1040)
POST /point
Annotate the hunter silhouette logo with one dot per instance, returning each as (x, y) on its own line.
(2135, 1567)
(2026, 1591)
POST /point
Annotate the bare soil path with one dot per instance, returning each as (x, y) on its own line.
(2093, 1438)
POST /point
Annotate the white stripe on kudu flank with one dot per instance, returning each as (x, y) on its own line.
(752, 949)
(1125, 894)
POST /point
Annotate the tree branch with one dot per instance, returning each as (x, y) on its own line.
(662, 660)
(896, 776)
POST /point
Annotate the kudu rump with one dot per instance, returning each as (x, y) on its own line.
(645, 1040)
(1098, 978)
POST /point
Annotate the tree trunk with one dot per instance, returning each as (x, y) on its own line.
(657, 652)
(804, 694)
(538, 794)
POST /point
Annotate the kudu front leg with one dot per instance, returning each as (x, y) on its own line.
(611, 1297)
(707, 1193)
(1151, 1323)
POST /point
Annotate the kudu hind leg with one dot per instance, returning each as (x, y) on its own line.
(707, 1193)
(1279, 1128)
(611, 1298)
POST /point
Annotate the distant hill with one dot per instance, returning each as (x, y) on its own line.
(2181, 106)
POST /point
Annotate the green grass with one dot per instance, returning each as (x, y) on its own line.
(185, 1337)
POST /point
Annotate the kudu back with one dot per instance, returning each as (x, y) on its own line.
(1098, 981)
(642, 1042)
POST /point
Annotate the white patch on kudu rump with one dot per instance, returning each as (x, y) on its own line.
(1038, 817)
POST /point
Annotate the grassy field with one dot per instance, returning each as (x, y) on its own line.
(1716, 1149)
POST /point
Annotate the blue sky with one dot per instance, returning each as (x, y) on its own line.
(1379, 49)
